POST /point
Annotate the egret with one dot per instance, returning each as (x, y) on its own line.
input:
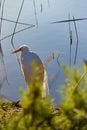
(26, 59)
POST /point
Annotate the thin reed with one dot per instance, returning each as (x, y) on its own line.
(1, 50)
(76, 40)
(15, 29)
(70, 39)
(35, 13)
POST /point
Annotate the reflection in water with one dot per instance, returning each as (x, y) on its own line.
(41, 6)
(48, 3)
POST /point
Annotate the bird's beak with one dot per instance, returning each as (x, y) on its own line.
(15, 51)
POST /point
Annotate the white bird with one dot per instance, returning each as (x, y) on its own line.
(26, 59)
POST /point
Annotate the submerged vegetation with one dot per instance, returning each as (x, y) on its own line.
(35, 113)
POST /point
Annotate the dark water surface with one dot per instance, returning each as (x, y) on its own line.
(44, 39)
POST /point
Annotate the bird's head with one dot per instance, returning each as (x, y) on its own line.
(22, 48)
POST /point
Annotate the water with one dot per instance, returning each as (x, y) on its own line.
(44, 39)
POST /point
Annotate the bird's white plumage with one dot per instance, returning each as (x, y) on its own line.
(27, 58)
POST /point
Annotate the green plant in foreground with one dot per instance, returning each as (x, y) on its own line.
(73, 114)
(36, 113)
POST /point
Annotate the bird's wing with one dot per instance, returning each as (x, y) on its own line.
(27, 60)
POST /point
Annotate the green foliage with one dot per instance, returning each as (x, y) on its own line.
(35, 113)
(73, 114)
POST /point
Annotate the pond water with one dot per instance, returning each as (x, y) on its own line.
(44, 39)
